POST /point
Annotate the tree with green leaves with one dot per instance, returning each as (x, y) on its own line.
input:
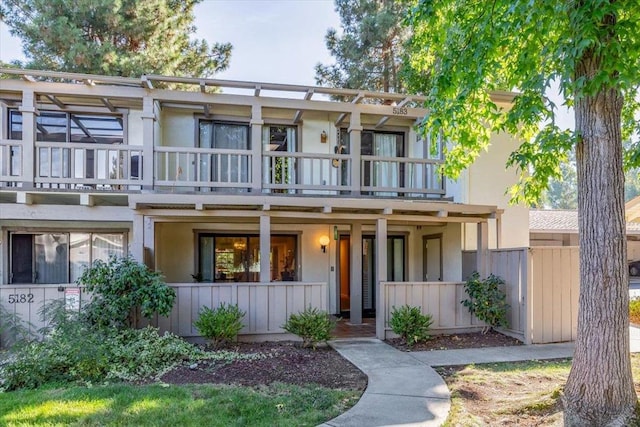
(123, 37)
(460, 53)
(369, 51)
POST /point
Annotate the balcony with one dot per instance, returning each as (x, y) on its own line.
(119, 167)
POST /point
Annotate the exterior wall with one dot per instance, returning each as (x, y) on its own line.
(554, 239)
(486, 182)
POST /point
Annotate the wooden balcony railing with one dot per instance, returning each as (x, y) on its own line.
(87, 166)
(202, 168)
(305, 172)
(82, 165)
(10, 162)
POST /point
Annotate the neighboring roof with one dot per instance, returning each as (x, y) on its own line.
(632, 209)
(563, 221)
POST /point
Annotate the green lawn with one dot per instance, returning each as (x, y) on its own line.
(164, 405)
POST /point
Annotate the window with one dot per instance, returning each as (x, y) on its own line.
(223, 167)
(53, 126)
(280, 169)
(55, 162)
(236, 258)
(59, 257)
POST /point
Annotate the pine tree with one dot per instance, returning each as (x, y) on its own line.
(369, 51)
(113, 37)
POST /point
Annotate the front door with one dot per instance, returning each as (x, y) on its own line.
(432, 258)
(395, 270)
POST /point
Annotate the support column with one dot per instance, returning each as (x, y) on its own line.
(137, 242)
(265, 248)
(28, 110)
(381, 275)
(256, 148)
(148, 119)
(483, 249)
(355, 142)
(149, 242)
(356, 275)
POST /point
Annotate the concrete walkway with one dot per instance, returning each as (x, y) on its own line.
(403, 389)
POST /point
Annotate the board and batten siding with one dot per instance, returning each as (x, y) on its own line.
(442, 300)
(267, 305)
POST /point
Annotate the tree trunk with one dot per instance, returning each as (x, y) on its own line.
(599, 391)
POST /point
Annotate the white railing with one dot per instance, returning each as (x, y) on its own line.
(306, 172)
(10, 162)
(82, 165)
(393, 175)
(204, 168)
(439, 299)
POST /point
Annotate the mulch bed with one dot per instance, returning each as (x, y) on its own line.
(458, 341)
(286, 362)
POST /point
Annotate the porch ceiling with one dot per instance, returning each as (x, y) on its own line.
(311, 208)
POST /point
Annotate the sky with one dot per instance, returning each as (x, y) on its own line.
(274, 41)
(277, 41)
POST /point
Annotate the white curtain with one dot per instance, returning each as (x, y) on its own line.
(385, 173)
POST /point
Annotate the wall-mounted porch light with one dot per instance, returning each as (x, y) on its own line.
(323, 137)
(324, 241)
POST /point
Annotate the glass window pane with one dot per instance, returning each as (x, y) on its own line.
(206, 259)
(96, 128)
(283, 258)
(52, 259)
(231, 258)
(79, 254)
(106, 245)
(15, 124)
(51, 127)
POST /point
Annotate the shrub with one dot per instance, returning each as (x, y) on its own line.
(220, 325)
(12, 328)
(487, 301)
(73, 353)
(120, 289)
(634, 311)
(410, 324)
(312, 325)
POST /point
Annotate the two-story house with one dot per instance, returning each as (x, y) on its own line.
(271, 196)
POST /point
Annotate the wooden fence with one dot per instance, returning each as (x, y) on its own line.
(439, 299)
(267, 305)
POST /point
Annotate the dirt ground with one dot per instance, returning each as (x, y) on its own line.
(458, 341)
(287, 362)
(283, 362)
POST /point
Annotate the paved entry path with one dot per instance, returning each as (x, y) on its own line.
(401, 389)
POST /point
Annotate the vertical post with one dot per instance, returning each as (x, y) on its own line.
(356, 274)
(483, 249)
(381, 276)
(498, 231)
(265, 248)
(28, 110)
(256, 148)
(137, 244)
(355, 142)
(149, 242)
(148, 119)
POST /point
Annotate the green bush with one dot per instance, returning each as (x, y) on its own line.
(410, 324)
(122, 288)
(220, 325)
(12, 328)
(634, 311)
(74, 353)
(312, 325)
(487, 300)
